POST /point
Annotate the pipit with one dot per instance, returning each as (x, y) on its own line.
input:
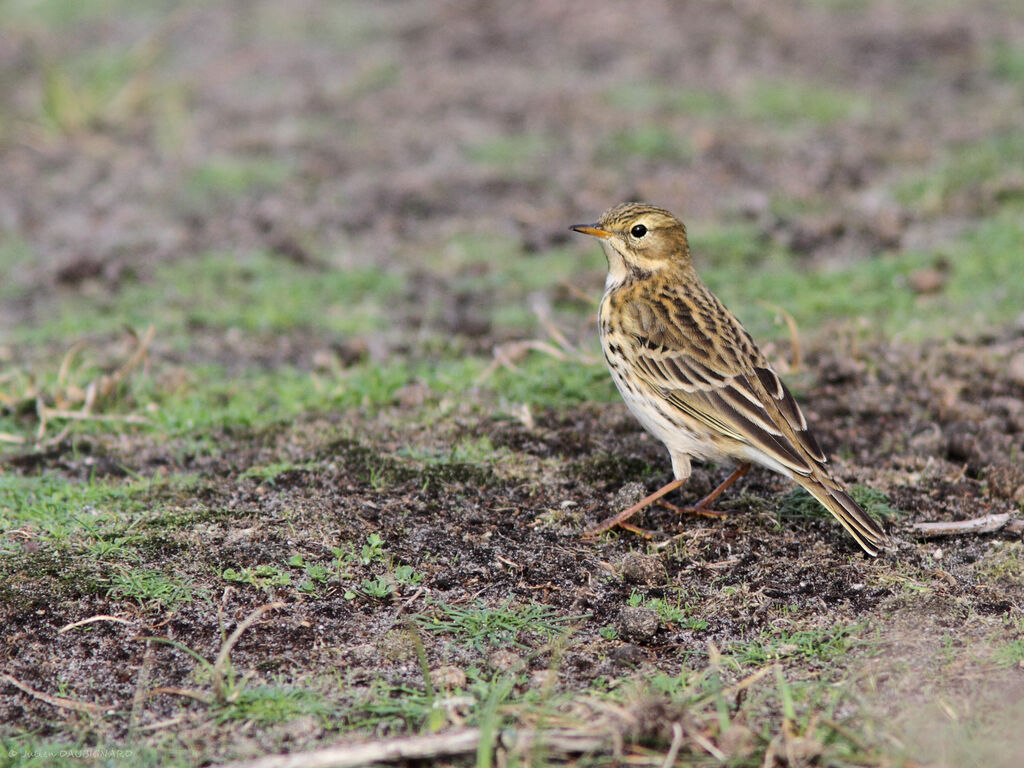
(693, 377)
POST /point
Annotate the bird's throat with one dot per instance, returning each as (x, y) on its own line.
(617, 269)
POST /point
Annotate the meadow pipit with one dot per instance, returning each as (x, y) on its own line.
(692, 375)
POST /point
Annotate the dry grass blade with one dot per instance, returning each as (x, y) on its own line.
(91, 620)
(794, 334)
(508, 354)
(673, 750)
(186, 692)
(70, 402)
(54, 701)
(542, 309)
(221, 662)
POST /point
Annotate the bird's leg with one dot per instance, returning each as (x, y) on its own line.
(702, 506)
(625, 514)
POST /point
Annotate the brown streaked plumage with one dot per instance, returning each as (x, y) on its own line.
(692, 375)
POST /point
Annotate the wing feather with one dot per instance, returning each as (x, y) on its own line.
(732, 404)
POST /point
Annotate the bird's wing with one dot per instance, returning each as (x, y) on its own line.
(741, 399)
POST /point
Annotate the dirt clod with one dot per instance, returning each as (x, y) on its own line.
(1006, 480)
(642, 569)
(448, 676)
(629, 656)
(503, 660)
(637, 623)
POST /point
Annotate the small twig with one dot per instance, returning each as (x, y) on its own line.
(409, 748)
(54, 701)
(432, 747)
(90, 620)
(986, 524)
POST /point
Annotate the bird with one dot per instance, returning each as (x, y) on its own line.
(694, 378)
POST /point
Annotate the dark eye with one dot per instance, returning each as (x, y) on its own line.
(638, 231)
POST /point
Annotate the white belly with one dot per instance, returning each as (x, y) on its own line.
(682, 441)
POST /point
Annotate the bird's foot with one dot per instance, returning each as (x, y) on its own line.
(696, 510)
(621, 517)
(644, 532)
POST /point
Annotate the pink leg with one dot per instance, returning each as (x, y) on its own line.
(700, 508)
(625, 514)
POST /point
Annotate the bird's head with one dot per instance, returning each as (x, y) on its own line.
(639, 240)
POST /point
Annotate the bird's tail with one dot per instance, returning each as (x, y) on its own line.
(854, 519)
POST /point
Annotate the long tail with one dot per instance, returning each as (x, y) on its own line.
(854, 519)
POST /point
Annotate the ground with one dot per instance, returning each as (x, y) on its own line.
(302, 418)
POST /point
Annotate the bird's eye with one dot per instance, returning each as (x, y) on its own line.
(638, 231)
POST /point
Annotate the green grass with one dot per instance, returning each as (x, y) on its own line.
(791, 103)
(981, 291)
(215, 398)
(269, 704)
(389, 707)
(648, 142)
(255, 293)
(798, 504)
(467, 450)
(58, 14)
(819, 645)
(150, 588)
(511, 152)
(671, 612)
(15, 253)
(1007, 61)
(781, 103)
(642, 97)
(482, 627)
(230, 177)
(543, 381)
(265, 577)
(972, 174)
(58, 507)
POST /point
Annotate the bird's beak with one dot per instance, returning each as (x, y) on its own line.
(591, 229)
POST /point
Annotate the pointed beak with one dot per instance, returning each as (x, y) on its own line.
(591, 229)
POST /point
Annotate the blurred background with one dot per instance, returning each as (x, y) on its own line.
(349, 186)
